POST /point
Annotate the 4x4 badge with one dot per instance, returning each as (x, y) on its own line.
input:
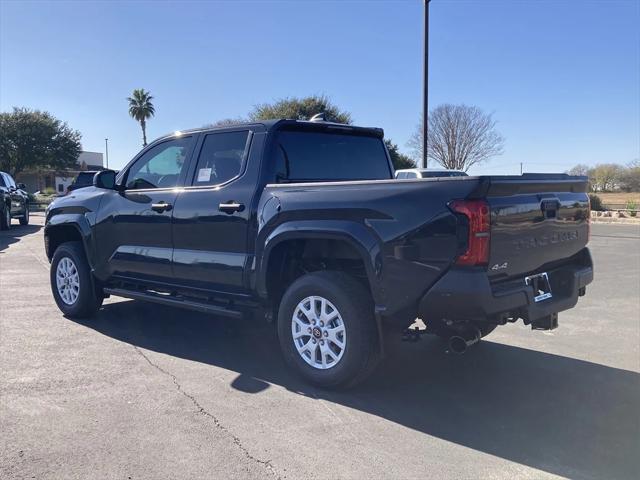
(499, 266)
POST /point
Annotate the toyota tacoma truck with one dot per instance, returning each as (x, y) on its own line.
(302, 223)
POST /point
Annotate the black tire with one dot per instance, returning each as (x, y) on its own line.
(24, 220)
(5, 218)
(88, 300)
(353, 301)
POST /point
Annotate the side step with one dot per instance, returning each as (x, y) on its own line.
(173, 301)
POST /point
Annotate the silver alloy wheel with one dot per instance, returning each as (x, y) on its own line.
(67, 280)
(319, 332)
(7, 214)
(26, 214)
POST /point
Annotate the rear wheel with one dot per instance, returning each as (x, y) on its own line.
(327, 330)
(5, 219)
(71, 282)
(24, 220)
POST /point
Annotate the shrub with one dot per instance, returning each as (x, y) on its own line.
(596, 203)
(632, 206)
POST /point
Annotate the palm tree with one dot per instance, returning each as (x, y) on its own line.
(141, 109)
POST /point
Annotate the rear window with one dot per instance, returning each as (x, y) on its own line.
(326, 156)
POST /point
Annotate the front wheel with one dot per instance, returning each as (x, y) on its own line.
(24, 220)
(5, 219)
(327, 330)
(71, 282)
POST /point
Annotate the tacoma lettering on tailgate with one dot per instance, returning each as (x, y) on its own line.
(556, 237)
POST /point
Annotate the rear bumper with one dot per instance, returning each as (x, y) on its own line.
(468, 295)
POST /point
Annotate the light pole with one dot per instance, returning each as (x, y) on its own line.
(106, 150)
(425, 93)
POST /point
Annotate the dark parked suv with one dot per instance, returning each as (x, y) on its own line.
(304, 222)
(14, 201)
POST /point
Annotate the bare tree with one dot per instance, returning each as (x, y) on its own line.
(579, 169)
(415, 142)
(631, 177)
(605, 177)
(460, 136)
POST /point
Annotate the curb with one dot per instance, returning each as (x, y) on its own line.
(617, 221)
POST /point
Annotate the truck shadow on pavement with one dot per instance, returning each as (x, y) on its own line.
(561, 415)
(13, 235)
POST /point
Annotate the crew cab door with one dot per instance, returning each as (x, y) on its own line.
(133, 228)
(213, 213)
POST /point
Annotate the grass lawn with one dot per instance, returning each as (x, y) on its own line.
(618, 199)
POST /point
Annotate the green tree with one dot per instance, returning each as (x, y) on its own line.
(399, 160)
(226, 122)
(31, 139)
(141, 109)
(300, 109)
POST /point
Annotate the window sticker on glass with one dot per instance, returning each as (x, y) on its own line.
(204, 175)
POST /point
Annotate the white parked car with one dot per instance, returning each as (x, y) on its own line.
(428, 173)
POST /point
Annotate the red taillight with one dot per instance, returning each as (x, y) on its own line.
(477, 211)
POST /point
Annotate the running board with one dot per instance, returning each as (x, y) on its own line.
(174, 302)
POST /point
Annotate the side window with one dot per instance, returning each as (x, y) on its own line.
(412, 175)
(2, 182)
(161, 166)
(220, 158)
(402, 175)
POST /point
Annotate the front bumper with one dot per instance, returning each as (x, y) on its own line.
(468, 295)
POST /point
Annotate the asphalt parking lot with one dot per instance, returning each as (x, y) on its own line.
(144, 391)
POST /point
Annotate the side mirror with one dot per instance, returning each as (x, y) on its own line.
(22, 186)
(105, 179)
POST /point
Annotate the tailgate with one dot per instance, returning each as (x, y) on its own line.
(536, 219)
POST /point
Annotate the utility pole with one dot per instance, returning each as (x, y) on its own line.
(425, 93)
(520, 168)
(106, 150)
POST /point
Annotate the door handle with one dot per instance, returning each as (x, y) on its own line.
(231, 207)
(161, 207)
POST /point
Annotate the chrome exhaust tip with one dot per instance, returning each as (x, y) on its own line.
(462, 340)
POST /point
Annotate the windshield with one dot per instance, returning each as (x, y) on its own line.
(303, 156)
(84, 179)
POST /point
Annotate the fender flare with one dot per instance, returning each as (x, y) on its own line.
(75, 220)
(355, 234)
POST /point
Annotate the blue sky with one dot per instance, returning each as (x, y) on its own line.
(562, 78)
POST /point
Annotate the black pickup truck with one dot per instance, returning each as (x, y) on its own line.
(303, 223)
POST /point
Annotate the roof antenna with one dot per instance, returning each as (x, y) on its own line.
(319, 117)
